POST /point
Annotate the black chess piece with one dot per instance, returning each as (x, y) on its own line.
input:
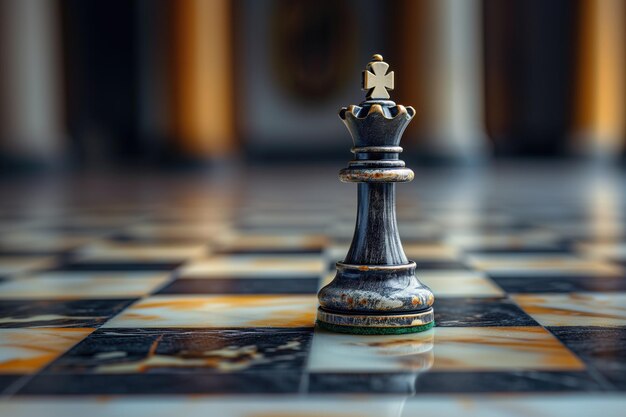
(375, 290)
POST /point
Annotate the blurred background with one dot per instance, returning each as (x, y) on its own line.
(102, 84)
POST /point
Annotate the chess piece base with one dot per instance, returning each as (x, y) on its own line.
(409, 322)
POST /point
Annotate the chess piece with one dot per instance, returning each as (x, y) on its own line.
(375, 290)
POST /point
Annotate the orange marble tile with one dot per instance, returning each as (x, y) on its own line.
(443, 349)
(220, 311)
(25, 351)
(575, 309)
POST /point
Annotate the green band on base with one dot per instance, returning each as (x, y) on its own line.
(375, 330)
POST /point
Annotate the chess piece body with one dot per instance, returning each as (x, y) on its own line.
(375, 290)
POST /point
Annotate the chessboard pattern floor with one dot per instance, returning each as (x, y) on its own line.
(178, 288)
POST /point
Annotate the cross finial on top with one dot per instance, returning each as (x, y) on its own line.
(376, 80)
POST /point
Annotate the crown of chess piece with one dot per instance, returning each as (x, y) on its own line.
(375, 290)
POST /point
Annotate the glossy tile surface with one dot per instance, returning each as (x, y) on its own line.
(74, 285)
(126, 351)
(336, 406)
(58, 313)
(443, 349)
(11, 265)
(25, 351)
(245, 265)
(219, 311)
(200, 299)
(544, 265)
(575, 309)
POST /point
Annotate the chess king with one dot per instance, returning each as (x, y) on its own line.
(375, 290)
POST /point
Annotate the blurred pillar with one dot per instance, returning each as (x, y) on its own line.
(101, 56)
(442, 59)
(600, 114)
(154, 76)
(31, 99)
(528, 73)
(203, 78)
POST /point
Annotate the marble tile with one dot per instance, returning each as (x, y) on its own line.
(450, 283)
(502, 240)
(469, 219)
(559, 284)
(11, 265)
(571, 405)
(443, 349)
(431, 251)
(503, 381)
(41, 242)
(269, 244)
(603, 250)
(133, 252)
(617, 378)
(124, 351)
(178, 232)
(576, 309)
(379, 383)
(419, 384)
(259, 266)
(479, 312)
(294, 218)
(26, 351)
(94, 221)
(543, 265)
(219, 311)
(600, 229)
(73, 285)
(58, 313)
(157, 385)
(602, 348)
(252, 285)
(335, 352)
(6, 381)
(119, 266)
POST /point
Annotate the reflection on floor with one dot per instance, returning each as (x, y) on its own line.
(195, 295)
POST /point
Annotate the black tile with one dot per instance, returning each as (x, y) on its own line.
(58, 313)
(617, 378)
(479, 312)
(451, 382)
(160, 384)
(243, 286)
(187, 351)
(603, 348)
(7, 380)
(26, 252)
(370, 383)
(559, 284)
(519, 381)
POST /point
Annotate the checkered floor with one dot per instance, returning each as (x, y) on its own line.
(166, 287)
